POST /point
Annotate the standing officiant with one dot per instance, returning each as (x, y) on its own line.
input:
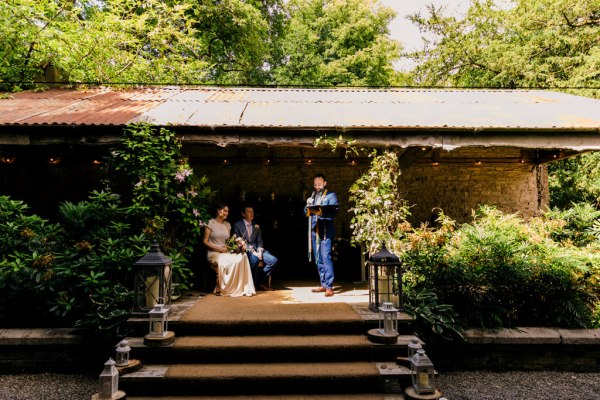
(321, 208)
(252, 234)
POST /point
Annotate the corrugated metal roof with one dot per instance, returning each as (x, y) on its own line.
(305, 108)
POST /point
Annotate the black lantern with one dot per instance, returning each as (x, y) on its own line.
(385, 279)
(152, 280)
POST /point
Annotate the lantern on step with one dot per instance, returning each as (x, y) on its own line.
(122, 357)
(388, 320)
(385, 279)
(152, 280)
(158, 321)
(413, 347)
(423, 374)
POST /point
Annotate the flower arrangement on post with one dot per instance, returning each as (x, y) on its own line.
(235, 245)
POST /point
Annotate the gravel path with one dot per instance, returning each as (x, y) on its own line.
(455, 386)
(520, 385)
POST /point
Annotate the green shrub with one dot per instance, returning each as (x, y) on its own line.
(77, 273)
(500, 271)
(30, 249)
(576, 224)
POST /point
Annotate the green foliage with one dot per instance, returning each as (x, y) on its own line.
(28, 263)
(62, 275)
(575, 180)
(432, 318)
(166, 195)
(379, 210)
(576, 224)
(316, 42)
(77, 273)
(130, 41)
(336, 42)
(530, 44)
(499, 271)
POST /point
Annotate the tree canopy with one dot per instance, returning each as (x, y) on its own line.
(330, 42)
(337, 42)
(533, 43)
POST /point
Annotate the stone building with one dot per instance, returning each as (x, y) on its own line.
(457, 148)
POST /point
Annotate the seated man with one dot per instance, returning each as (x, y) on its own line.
(252, 234)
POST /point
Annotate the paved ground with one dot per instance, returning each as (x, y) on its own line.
(455, 386)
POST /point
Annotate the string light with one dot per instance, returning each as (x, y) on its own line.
(96, 162)
(53, 160)
(8, 160)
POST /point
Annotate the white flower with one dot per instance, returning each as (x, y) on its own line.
(179, 195)
(195, 212)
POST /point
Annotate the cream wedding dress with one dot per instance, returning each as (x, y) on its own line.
(235, 275)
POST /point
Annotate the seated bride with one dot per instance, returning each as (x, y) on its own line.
(234, 276)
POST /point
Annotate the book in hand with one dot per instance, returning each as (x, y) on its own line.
(321, 209)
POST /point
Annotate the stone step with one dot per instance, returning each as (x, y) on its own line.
(253, 349)
(271, 348)
(257, 378)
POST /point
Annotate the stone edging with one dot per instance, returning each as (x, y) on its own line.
(534, 335)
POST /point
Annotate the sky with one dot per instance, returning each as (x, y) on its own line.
(407, 33)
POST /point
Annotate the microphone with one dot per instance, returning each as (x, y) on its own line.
(311, 199)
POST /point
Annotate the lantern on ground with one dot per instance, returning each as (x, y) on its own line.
(413, 347)
(152, 280)
(385, 279)
(109, 380)
(423, 374)
(388, 320)
(122, 358)
(109, 383)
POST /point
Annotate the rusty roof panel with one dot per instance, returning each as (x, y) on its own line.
(97, 107)
(304, 108)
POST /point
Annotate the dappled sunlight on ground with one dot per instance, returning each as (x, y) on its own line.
(300, 292)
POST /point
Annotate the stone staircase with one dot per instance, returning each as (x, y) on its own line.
(267, 358)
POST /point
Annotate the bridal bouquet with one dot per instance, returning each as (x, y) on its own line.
(235, 244)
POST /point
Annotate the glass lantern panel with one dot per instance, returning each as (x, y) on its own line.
(373, 289)
(151, 284)
(425, 381)
(388, 285)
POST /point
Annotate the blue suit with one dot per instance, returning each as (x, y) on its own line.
(322, 234)
(255, 243)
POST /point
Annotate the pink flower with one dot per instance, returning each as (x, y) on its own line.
(195, 212)
(179, 195)
(181, 175)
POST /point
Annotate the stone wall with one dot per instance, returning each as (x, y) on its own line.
(456, 183)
